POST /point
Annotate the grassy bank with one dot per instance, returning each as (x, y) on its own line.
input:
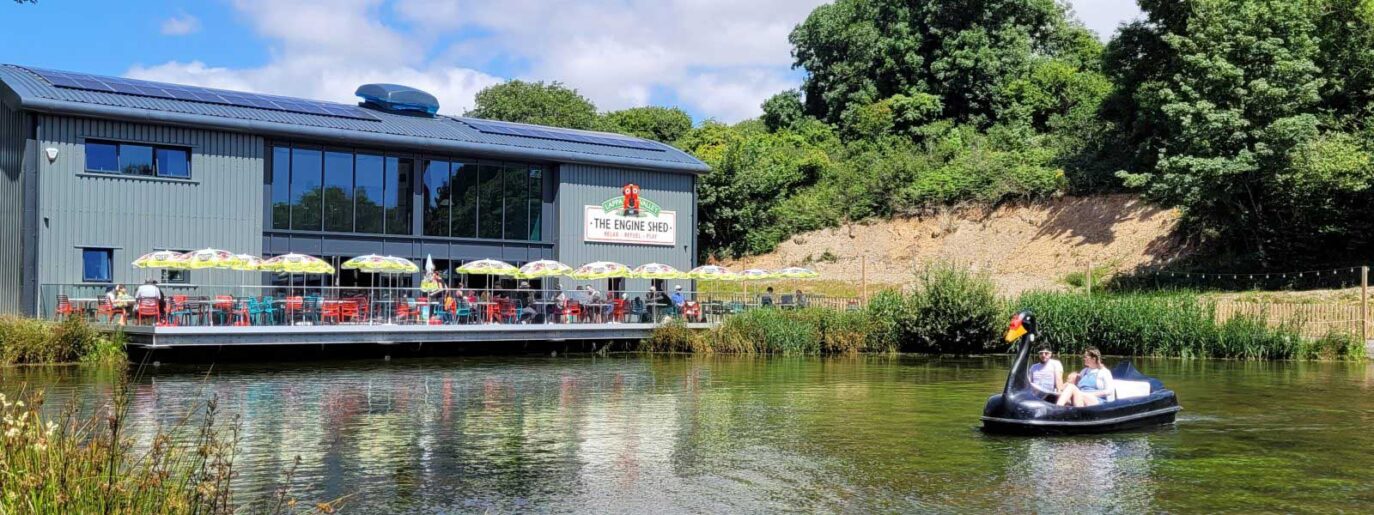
(952, 311)
(30, 341)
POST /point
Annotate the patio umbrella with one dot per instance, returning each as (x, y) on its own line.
(488, 267)
(755, 274)
(544, 268)
(246, 263)
(162, 259)
(293, 263)
(600, 270)
(713, 273)
(657, 271)
(797, 272)
(209, 258)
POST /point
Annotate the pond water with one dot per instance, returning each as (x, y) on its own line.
(635, 433)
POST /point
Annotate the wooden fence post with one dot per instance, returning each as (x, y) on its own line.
(863, 279)
(1088, 278)
(1364, 303)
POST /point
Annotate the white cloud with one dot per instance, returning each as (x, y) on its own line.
(1104, 16)
(325, 49)
(180, 25)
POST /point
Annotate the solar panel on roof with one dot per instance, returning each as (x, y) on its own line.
(206, 95)
(560, 135)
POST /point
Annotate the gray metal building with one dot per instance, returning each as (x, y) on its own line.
(96, 171)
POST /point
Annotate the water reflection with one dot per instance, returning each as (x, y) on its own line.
(1089, 474)
(730, 434)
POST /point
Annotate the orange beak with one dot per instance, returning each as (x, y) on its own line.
(1016, 330)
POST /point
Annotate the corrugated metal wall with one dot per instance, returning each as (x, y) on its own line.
(221, 206)
(584, 185)
(12, 136)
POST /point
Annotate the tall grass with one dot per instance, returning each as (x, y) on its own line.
(70, 464)
(769, 331)
(1176, 324)
(31, 341)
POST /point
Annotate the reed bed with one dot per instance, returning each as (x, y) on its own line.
(31, 341)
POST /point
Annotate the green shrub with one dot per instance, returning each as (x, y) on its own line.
(887, 314)
(1334, 345)
(954, 312)
(26, 340)
(671, 337)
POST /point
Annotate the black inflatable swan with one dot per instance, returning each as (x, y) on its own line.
(1139, 400)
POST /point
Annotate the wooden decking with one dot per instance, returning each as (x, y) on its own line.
(153, 337)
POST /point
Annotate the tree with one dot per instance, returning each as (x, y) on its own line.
(783, 110)
(964, 53)
(538, 103)
(665, 124)
(1241, 113)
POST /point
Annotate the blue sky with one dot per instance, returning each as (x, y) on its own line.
(715, 58)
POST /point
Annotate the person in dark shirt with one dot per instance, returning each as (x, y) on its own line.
(767, 299)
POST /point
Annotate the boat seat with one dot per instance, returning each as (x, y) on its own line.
(1131, 389)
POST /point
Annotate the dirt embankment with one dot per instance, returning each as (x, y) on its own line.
(1022, 246)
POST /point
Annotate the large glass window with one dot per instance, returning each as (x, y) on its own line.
(489, 201)
(398, 177)
(102, 157)
(368, 194)
(517, 191)
(464, 200)
(136, 160)
(437, 198)
(281, 188)
(536, 203)
(338, 191)
(96, 265)
(306, 168)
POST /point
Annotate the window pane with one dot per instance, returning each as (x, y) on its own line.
(281, 188)
(173, 162)
(305, 189)
(465, 200)
(102, 157)
(338, 191)
(176, 276)
(368, 194)
(536, 203)
(136, 159)
(516, 195)
(399, 173)
(95, 265)
(436, 198)
(489, 202)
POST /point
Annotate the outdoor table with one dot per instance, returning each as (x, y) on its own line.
(544, 308)
(594, 309)
(485, 308)
(86, 305)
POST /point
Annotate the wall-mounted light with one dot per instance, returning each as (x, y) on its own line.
(51, 152)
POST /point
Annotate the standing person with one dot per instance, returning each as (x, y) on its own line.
(677, 299)
(1047, 376)
(527, 298)
(1092, 386)
(766, 300)
(800, 299)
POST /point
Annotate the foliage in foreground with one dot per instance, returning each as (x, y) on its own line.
(72, 464)
(1177, 325)
(31, 341)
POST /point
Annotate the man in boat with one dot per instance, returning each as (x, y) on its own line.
(1047, 375)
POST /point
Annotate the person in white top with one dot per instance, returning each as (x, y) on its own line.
(1047, 376)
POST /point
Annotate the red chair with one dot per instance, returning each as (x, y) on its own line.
(572, 312)
(294, 305)
(403, 312)
(224, 304)
(64, 307)
(149, 308)
(330, 310)
(509, 314)
(106, 308)
(618, 310)
(691, 311)
(348, 310)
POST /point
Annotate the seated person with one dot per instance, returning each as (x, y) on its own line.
(1047, 375)
(1090, 387)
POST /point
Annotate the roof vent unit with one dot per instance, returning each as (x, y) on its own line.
(395, 98)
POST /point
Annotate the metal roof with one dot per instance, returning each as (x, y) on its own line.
(444, 134)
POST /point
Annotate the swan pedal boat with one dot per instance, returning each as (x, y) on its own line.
(1139, 401)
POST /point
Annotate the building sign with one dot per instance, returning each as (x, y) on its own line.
(630, 219)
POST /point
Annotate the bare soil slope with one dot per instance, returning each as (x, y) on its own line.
(1023, 246)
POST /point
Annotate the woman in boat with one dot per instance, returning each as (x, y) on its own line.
(1091, 386)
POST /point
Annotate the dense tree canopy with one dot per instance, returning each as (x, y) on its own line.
(535, 102)
(665, 124)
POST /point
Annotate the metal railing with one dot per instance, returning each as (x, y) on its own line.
(203, 305)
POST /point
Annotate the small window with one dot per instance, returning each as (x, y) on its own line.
(176, 276)
(96, 265)
(173, 162)
(136, 160)
(102, 157)
(133, 159)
